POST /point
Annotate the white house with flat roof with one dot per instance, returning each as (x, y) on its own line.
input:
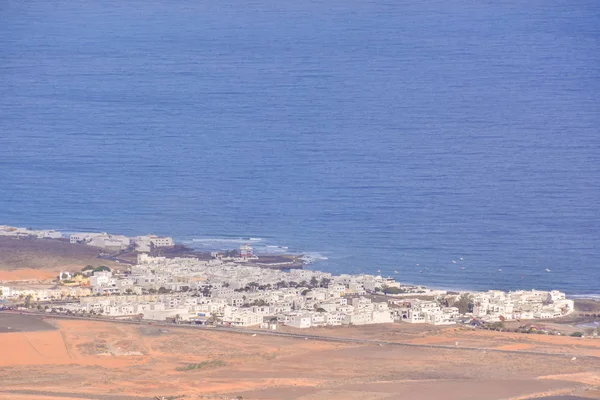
(83, 237)
(299, 320)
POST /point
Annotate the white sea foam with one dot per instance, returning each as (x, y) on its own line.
(229, 243)
(592, 296)
(72, 232)
(216, 241)
(271, 249)
(230, 240)
(312, 257)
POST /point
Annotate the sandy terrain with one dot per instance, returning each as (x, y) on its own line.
(39, 259)
(107, 361)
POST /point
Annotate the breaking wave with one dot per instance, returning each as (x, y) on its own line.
(272, 250)
(211, 242)
(229, 243)
(592, 296)
(310, 258)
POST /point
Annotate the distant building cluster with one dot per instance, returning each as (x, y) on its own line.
(43, 294)
(425, 312)
(6, 230)
(101, 240)
(225, 292)
(233, 294)
(120, 242)
(490, 306)
(495, 305)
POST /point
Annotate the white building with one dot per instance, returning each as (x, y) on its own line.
(161, 241)
(145, 243)
(361, 318)
(299, 320)
(428, 312)
(49, 234)
(235, 316)
(5, 292)
(83, 237)
(105, 241)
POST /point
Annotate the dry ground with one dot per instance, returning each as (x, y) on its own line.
(40, 259)
(107, 361)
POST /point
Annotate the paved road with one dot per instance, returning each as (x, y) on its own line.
(244, 331)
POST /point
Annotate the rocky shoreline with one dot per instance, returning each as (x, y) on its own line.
(279, 261)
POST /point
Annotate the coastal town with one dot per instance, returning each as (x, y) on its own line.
(77, 303)
(226, 289)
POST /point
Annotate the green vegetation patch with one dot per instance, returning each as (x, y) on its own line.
(203, 365)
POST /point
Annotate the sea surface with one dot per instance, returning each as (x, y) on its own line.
(371, 135)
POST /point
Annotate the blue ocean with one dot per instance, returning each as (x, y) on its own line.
(454, 144)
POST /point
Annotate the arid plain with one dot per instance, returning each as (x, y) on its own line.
(70, 359)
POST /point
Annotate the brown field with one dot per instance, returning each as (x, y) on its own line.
(587, 306)
(41, 259)
(109, 361)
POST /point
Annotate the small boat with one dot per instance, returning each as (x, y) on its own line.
(547, 270)
(395, 272)
(463, 268)
(499, 269)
